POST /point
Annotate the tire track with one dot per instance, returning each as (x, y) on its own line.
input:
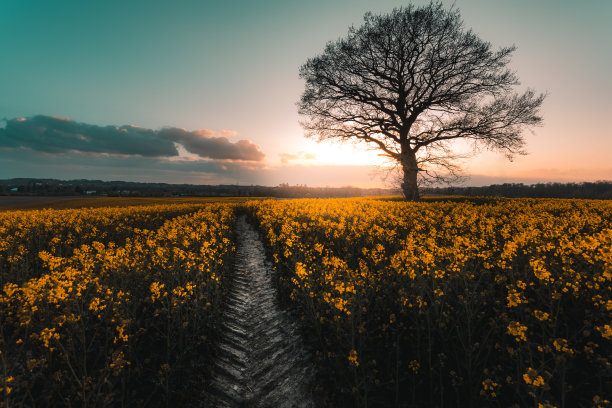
(260, 359)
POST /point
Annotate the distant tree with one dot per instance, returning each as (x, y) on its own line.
(411, 82)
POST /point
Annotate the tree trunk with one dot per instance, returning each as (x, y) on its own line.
(411, 169)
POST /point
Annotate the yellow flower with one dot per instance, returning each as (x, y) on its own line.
(605, 330)
(46, 335)
(531, 377)
(517, 330)
(352, 358)
(489, 388)
(514, 298)
(561, 345)
(156, 290)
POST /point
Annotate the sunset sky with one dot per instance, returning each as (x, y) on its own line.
(204, 91)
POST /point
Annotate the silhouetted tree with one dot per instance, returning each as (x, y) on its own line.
(411, 82)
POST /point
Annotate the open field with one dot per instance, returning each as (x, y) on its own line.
(475, 303)
(480, 302)
(40, 202)
(110, 306)
(17, 202)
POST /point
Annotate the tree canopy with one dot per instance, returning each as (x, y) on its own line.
(411, 82)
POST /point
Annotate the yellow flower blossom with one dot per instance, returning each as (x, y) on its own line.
(531, 377)
(352, 358)
(517, 330)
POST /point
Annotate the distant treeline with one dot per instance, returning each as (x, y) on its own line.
(596, 190)
(52, 187)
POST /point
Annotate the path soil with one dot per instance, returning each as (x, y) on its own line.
(260, 359)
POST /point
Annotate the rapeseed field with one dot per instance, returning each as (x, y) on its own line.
(500, 303)
(472, 303)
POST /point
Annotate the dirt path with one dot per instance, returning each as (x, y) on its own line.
(261, 361)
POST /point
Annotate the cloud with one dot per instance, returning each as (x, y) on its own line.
(29, 163)
(228, 133)
(214, 147)
(55, 135)
(205, 132)
(59, 135)
(287, 157)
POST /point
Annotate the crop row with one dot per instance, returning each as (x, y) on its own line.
(449, 304)
(121, 319)
(23, 234)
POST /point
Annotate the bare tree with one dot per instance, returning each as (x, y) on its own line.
(412, 82)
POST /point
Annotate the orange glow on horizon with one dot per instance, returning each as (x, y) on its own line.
(328, 153)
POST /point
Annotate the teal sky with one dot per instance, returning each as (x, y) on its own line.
(231, 67)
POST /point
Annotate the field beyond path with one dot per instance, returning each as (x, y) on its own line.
(260, 359)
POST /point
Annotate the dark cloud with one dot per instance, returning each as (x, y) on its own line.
(214, 147)
(58, 135)
(52, 134)
(23, 162)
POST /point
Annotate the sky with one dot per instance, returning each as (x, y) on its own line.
(205, 92)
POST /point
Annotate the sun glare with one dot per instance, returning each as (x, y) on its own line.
(327, 153)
